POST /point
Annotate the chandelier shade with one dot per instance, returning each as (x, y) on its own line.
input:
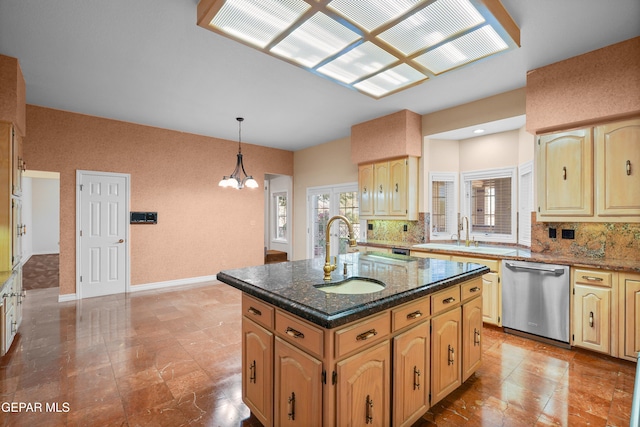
(235, 180)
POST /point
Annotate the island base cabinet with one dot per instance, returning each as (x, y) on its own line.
(298, 387)
(472, 330)
(363, 388)
(411, 351)
(445, 354)
(257, 371)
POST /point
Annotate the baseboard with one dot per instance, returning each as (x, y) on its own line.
(67, 297)
(172, 283)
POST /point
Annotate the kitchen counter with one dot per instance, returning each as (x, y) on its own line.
(293, 286)
(515, 253)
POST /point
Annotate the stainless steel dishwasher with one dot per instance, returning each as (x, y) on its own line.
(535, 300)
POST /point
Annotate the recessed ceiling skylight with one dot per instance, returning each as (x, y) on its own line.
(377, 47)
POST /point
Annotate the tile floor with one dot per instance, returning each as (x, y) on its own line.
(172, 358)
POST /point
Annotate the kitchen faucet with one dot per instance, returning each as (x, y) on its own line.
(465, 219)
(328, 267)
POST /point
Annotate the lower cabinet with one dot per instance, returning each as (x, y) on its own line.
(472, 331)
(411, 354)
(445, 349)
(363, 388)
(631, 335)
(298, 387)
(257, 373)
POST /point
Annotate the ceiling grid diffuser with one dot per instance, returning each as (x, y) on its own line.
(378, 47)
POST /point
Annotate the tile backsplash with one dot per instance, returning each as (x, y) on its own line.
(393, 230)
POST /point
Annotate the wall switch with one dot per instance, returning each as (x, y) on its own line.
(404, 227)
(552, 233)
(568, 234)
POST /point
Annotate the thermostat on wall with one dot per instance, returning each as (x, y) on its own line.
(144, 218)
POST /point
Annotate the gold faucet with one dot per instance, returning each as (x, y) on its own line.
(328, 267)
(465, 219)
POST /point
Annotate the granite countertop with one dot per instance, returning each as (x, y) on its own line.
(292, 286)
(518, 254)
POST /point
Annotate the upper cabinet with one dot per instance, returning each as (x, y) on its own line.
(12, 94)
(590, 174)
(389, 189)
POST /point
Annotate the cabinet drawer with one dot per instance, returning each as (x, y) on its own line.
(491, 263)
(362, 333)
(445, 300)
(411, 313)
(300, 333)
(258, 311)
(471, 289)
(593, 277)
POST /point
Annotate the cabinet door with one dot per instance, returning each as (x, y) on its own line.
(398, 187)
(20, 295)
(591, 318)
(298, 391)
(257, 365)
(363, 391)
(565, 173)
(9, 330)
(366, 190)
(17, 230)
(411, 375)
(381, 182)
(472, 337)
(445, 354)
(16, 163)
(491, 307)
(618, 168)
(632, 318)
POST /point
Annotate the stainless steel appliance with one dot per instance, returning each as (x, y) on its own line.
(535, 300)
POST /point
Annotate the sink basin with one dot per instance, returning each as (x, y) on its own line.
(472, 249)
(353, 286)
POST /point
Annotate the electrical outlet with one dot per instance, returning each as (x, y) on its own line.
(568, 234)
(552, 233)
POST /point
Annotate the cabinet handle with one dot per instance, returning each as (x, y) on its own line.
(474, 289)
(628, 167)
(380, 188)
(292, 406)
(364, 190)
(254, 311)
(595, 279)
(397, 187)
(369, 411)
(366, 335)
(416, 378)
(564, 173)
(476, 337)
(448, 300)
(293, 333)
(252, 372)
(14, 328)
(414, 315)
(591, 319)
(451, 358)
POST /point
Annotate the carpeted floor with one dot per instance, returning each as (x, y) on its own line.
(40, 272)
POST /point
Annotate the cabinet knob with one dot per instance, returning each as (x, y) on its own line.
(369, 410)
(628, 167)
(564, 173)
(451, 358)
(591, 319)
(366, 335)
(293, 333)
(292, 406)
(416, 378)
(448, 300)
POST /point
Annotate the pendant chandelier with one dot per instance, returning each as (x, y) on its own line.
(235, 180)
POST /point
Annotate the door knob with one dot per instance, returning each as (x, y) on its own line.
(121, 241)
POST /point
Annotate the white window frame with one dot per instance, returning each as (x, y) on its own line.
(465, 202)
(274, 221)
(447, 177)
(525, 207)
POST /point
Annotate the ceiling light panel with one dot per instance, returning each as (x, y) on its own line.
(377, 47)
(317, 39)
(258, 22)
(373, 13)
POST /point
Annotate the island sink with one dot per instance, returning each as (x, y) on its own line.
(353, 286)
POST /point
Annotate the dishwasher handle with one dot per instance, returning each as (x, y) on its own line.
(556, 271)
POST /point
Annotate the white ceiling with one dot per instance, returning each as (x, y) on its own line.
(146, 62)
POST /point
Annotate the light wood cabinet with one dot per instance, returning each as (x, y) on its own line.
(491, 289)
(298, 387)
(389, 189)
(590, 174)
(257, 371)
(592, 296)
(565, 173)
(411, 353)
(363, 389)
(446, 340)
(630, 284)
(472, 336)
(618, 169)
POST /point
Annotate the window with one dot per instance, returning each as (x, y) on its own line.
(280, 216)
(444, 221)
(489, 203)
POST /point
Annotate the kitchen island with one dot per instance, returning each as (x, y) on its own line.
(312, 357)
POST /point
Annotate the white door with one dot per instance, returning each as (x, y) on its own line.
(103, 206)
(324, 203)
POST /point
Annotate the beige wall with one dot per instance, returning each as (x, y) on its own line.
(325, 164)
(489, 152)
(201, 228)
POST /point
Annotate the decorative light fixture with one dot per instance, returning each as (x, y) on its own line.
(377, 47)
(235, 180)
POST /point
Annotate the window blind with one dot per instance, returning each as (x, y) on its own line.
(491, 205)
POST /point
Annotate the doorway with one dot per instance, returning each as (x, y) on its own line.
(278, 201)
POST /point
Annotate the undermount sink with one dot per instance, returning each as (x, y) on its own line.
(473, 249)
(353, 286)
